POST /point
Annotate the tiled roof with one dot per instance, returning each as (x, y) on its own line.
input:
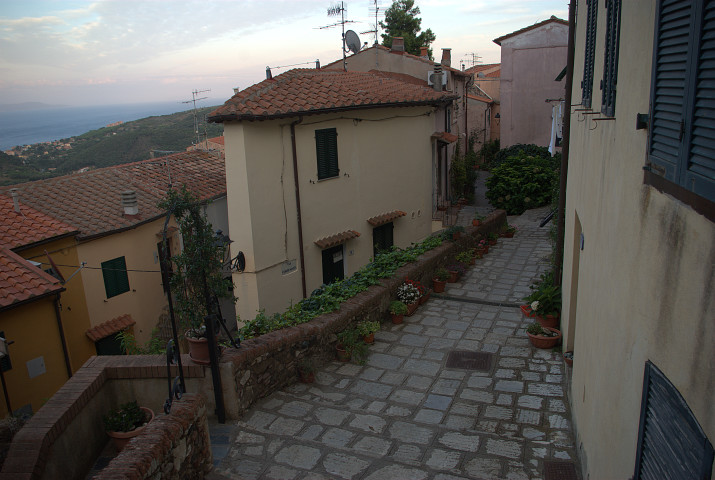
(91, 201)
(489, 70)
(384, 218)
(481, 67)
(218, 140)
(311, 91)
(445, 137)
(28, 226)
(530, 27)
(337, 239)
(479, 98)
(110, 327)
(20, 281)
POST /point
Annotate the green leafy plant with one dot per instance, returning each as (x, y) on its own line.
(128, 343)
(464, 257)
(545, 297)
(125, 418)
(351, 341)
(367, 327)
(441, 274)
(522, 182)
(306, 366)
(520, 150)
(536, 329)
(398, 308)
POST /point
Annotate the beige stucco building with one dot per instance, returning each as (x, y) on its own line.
(639, 275)
(323, 168)
(531, 60)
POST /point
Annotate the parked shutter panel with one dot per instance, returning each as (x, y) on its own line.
(589, 56)
(116, 280)
(610, 62)
(701, 169)
(669, 92)
(326, 146)
(332, 143)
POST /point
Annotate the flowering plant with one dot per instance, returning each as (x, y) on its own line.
(457, 267)
(408, 293)
(420, 288)
(511, 229)
(482, 244)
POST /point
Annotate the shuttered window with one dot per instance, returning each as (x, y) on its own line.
(589, 55)
(610, 59)
(326, 146)
(671, 443)
(682, 126)
(116, 280)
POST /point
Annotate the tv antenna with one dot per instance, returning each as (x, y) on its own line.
(334, 11)
(376, 11)
(472, 59)
(196, 119)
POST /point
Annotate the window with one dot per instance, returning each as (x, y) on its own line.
(382, 238)
(326, 147)
(610, 60)
(682, 117)
(333, 264)
(115, 276)
(5, 363)
(587, 82)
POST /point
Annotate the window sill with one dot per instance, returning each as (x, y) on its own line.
(701, 205)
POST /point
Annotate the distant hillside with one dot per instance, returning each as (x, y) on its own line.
(124, 143)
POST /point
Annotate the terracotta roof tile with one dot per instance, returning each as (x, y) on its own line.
(384, 218)
(311, 91)
(530, 27)
(337, 239)
(480, 98)
(445, 137)
(110, 327)
(20, 281)
(91, 201)
(28, 226)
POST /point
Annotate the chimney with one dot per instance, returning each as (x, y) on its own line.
(129, 202)
(437, 77)
(424, 52)
(317, 64)
(268, 73)
(15, 199)
(398, 44)
(447, 57)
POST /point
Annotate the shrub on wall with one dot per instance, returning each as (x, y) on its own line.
(522, 182)
(520, 150)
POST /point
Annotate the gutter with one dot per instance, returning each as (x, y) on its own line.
(65, 353)
(297, 204)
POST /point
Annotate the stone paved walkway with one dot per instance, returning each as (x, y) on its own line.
(405, 414)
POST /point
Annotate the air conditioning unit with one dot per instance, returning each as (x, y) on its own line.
(430, 76)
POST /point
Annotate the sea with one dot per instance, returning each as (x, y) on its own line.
(26, 127)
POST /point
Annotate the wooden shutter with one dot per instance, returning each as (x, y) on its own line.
(671, 443)
(589, 56)
(610, 61)
(326, 146)
(116, 280)
(700, 172)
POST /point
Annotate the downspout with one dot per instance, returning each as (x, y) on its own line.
(297, 205)
(62, 336)
(560, 224)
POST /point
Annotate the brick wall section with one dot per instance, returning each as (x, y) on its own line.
(79, 403)
(270, 362)
(172, 446)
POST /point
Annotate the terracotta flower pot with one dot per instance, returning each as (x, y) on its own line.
(397, 319)
(438, 285)
(306, 377)
(199, 350)
(343, 355)
(369, 339)
(526, 311)
(475, 223)
(425, 297)
(492, 242)
(121, 439)
(545, 342)
(456, 235)
(508, 234)
(412, 308)
(548, 321)
(568, 360)
(453, 276)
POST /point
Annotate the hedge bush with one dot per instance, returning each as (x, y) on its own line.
(522, 182)
(520, 150)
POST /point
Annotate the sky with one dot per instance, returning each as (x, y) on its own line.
(112, 52)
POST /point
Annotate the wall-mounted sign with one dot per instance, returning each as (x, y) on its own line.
(288, 266)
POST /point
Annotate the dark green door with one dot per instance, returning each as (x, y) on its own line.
(333, 265)
(382, 238)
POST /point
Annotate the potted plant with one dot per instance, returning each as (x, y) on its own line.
(199, 270)
(367, 329)
(543, 337)
(126, 422)
(440, 279)
(509, 232)
(465, 257)
(456, 271)
(482, 247)
(349, 344)
(492, 238)
(423, 291)
(397, 311)
(545, 301)
(409, 294)
(478, 219)
(306, 370)
(568, 358)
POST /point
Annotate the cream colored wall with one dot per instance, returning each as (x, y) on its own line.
(642, 287)
(73, 306)
(145, 299)
(385, 165)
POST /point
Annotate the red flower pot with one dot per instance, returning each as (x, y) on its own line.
(545, 342)
(369, 339)
(412, 308)
(526, 311)
(121, 439)
(397, 319)
(453, 276)
(438, 285)
(475, 223)
(425, 297)
(548, 321)
(343, 355)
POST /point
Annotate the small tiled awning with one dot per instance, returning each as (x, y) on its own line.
(445, 137)
(336, 239)
(384, 218)
(110, 327)
(169, 232)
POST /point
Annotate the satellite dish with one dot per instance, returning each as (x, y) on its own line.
(352, 41)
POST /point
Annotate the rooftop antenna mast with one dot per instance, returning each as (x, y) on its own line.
(376, 11)
(196, 118)
(334, 11)
(472, 59)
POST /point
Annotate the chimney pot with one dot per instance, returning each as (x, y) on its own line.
(129, 202)
(269, 75)
(437, 77)
(424, 52)
(447, 57)
(398, 44)
(15, 199)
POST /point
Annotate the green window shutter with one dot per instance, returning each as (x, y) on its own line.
(589, 56)
(116, 280)
(610, 60)
(326, 147)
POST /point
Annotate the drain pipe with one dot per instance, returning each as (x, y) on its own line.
(560, 224)
(297, 205)
(63, 341)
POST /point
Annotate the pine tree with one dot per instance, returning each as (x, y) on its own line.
(401, 20)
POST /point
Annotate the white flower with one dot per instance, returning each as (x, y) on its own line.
(534, 305)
